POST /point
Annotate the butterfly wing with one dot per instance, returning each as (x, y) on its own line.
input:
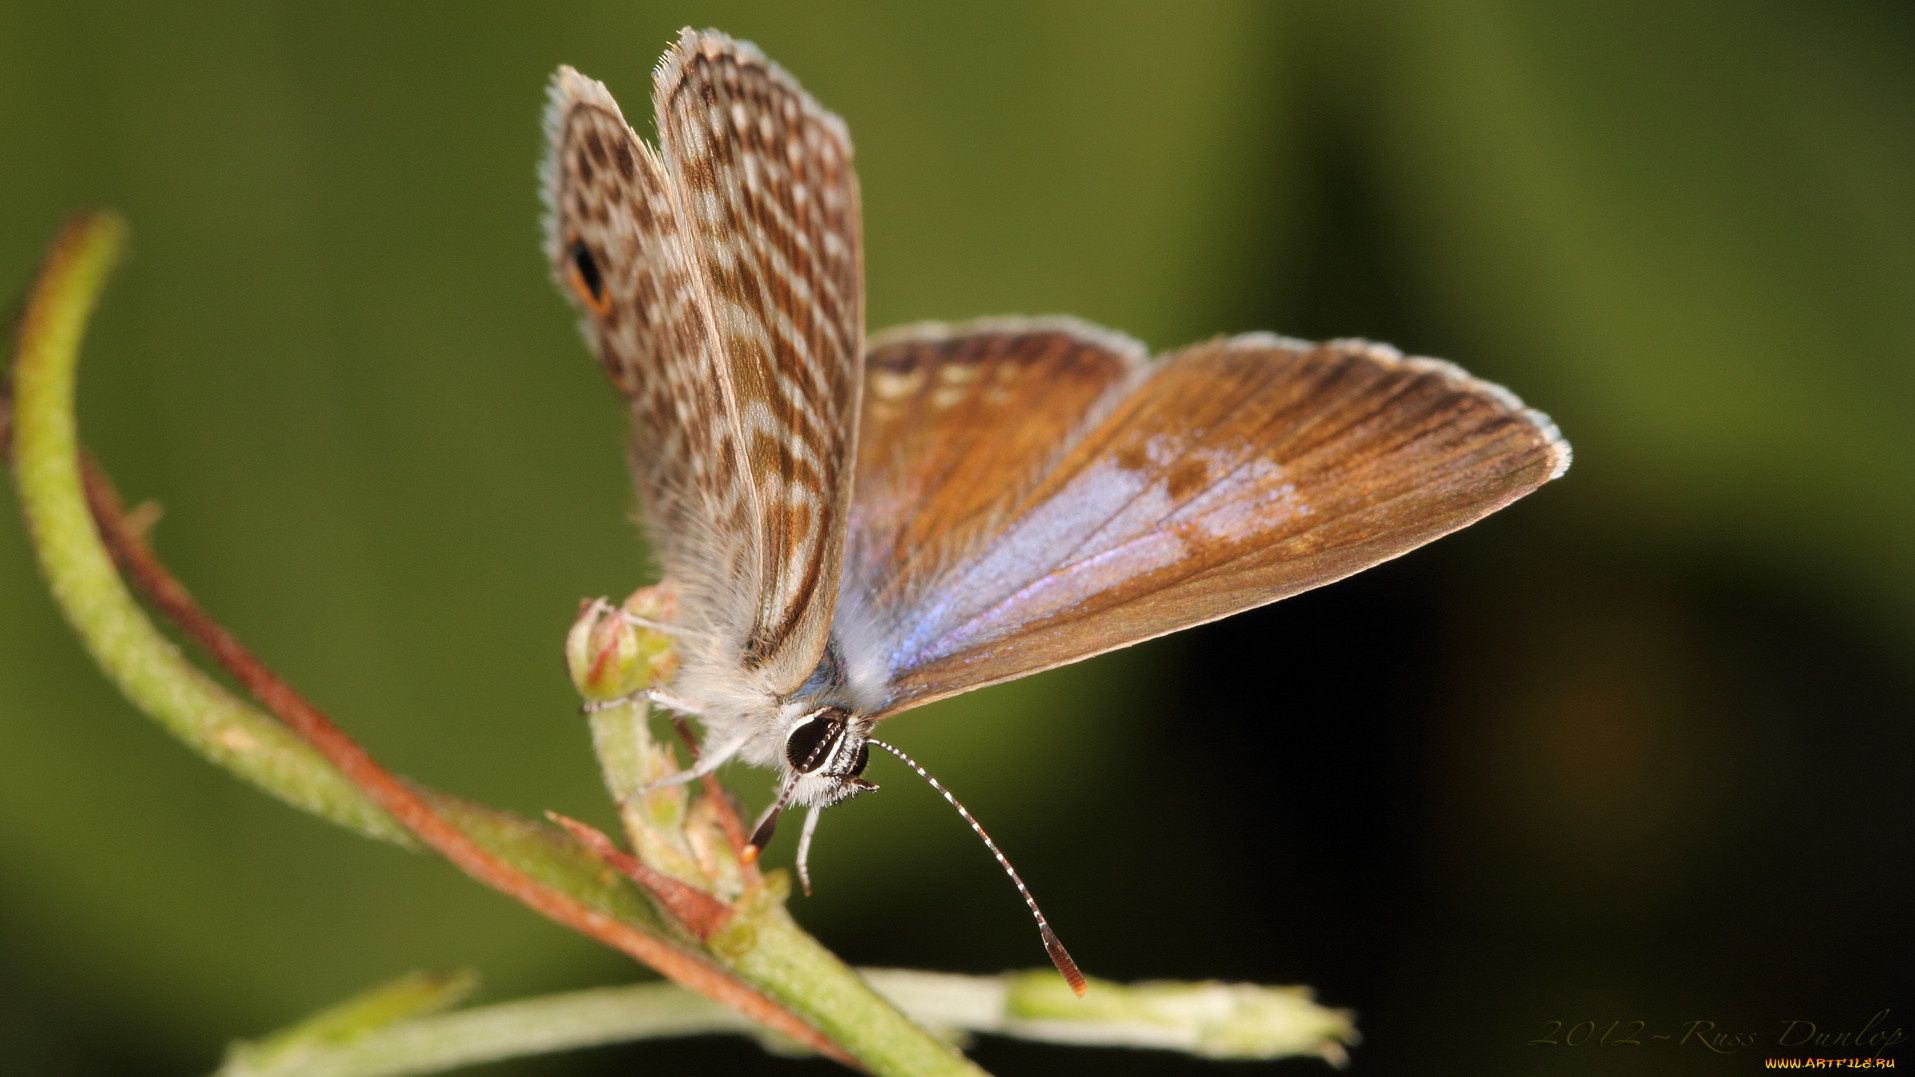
(612, 237)
(959, 426)
(1232, 474)
(728, 307)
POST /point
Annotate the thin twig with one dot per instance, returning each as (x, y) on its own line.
(696, 909)
(1209, 1020)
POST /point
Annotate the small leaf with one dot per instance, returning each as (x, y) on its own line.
(417, 994)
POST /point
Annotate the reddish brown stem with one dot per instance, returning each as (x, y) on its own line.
(404, 803)
(697, 910)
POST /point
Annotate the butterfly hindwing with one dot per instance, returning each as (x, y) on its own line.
(614, 240)
(1230, 475)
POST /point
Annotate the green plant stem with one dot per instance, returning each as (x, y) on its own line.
(759, 942)
(773, 953)
(146, 665)
(132, 652)
(1214, 1020)
(764, 946)
(491, 1033)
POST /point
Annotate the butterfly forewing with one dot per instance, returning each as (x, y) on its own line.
(1233, 474)
(762, 178)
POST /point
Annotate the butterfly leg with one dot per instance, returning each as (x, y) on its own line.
(804, 846)
(663, 627)
(651, 695)
(636, 621)
(708, 761)
(680, 704)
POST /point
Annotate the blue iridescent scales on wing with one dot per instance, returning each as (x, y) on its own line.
(857, 529)
(1228, 475)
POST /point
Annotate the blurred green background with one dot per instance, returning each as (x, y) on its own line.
(1635, 749)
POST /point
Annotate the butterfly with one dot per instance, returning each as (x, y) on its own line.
(860, 526)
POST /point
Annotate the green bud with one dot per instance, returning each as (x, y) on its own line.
(609, 657)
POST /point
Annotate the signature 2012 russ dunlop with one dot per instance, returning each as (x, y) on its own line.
(1875, 1034)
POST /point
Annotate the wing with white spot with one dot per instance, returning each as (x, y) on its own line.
(1016, 525)
(763, 183)
(960, 425)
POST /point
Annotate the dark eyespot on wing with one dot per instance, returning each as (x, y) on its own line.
(614, 239)
(588, 273)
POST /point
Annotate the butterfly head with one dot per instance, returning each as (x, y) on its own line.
(826, 751)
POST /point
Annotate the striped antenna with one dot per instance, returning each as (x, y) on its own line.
(1059, 956)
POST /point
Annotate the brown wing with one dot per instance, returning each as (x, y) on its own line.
(723, 289)
(613, 237)
(960, 425)
(1233, 474)
(762, 178)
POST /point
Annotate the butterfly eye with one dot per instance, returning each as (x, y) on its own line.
(858, 761)
(585, 277)
(806, 747)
